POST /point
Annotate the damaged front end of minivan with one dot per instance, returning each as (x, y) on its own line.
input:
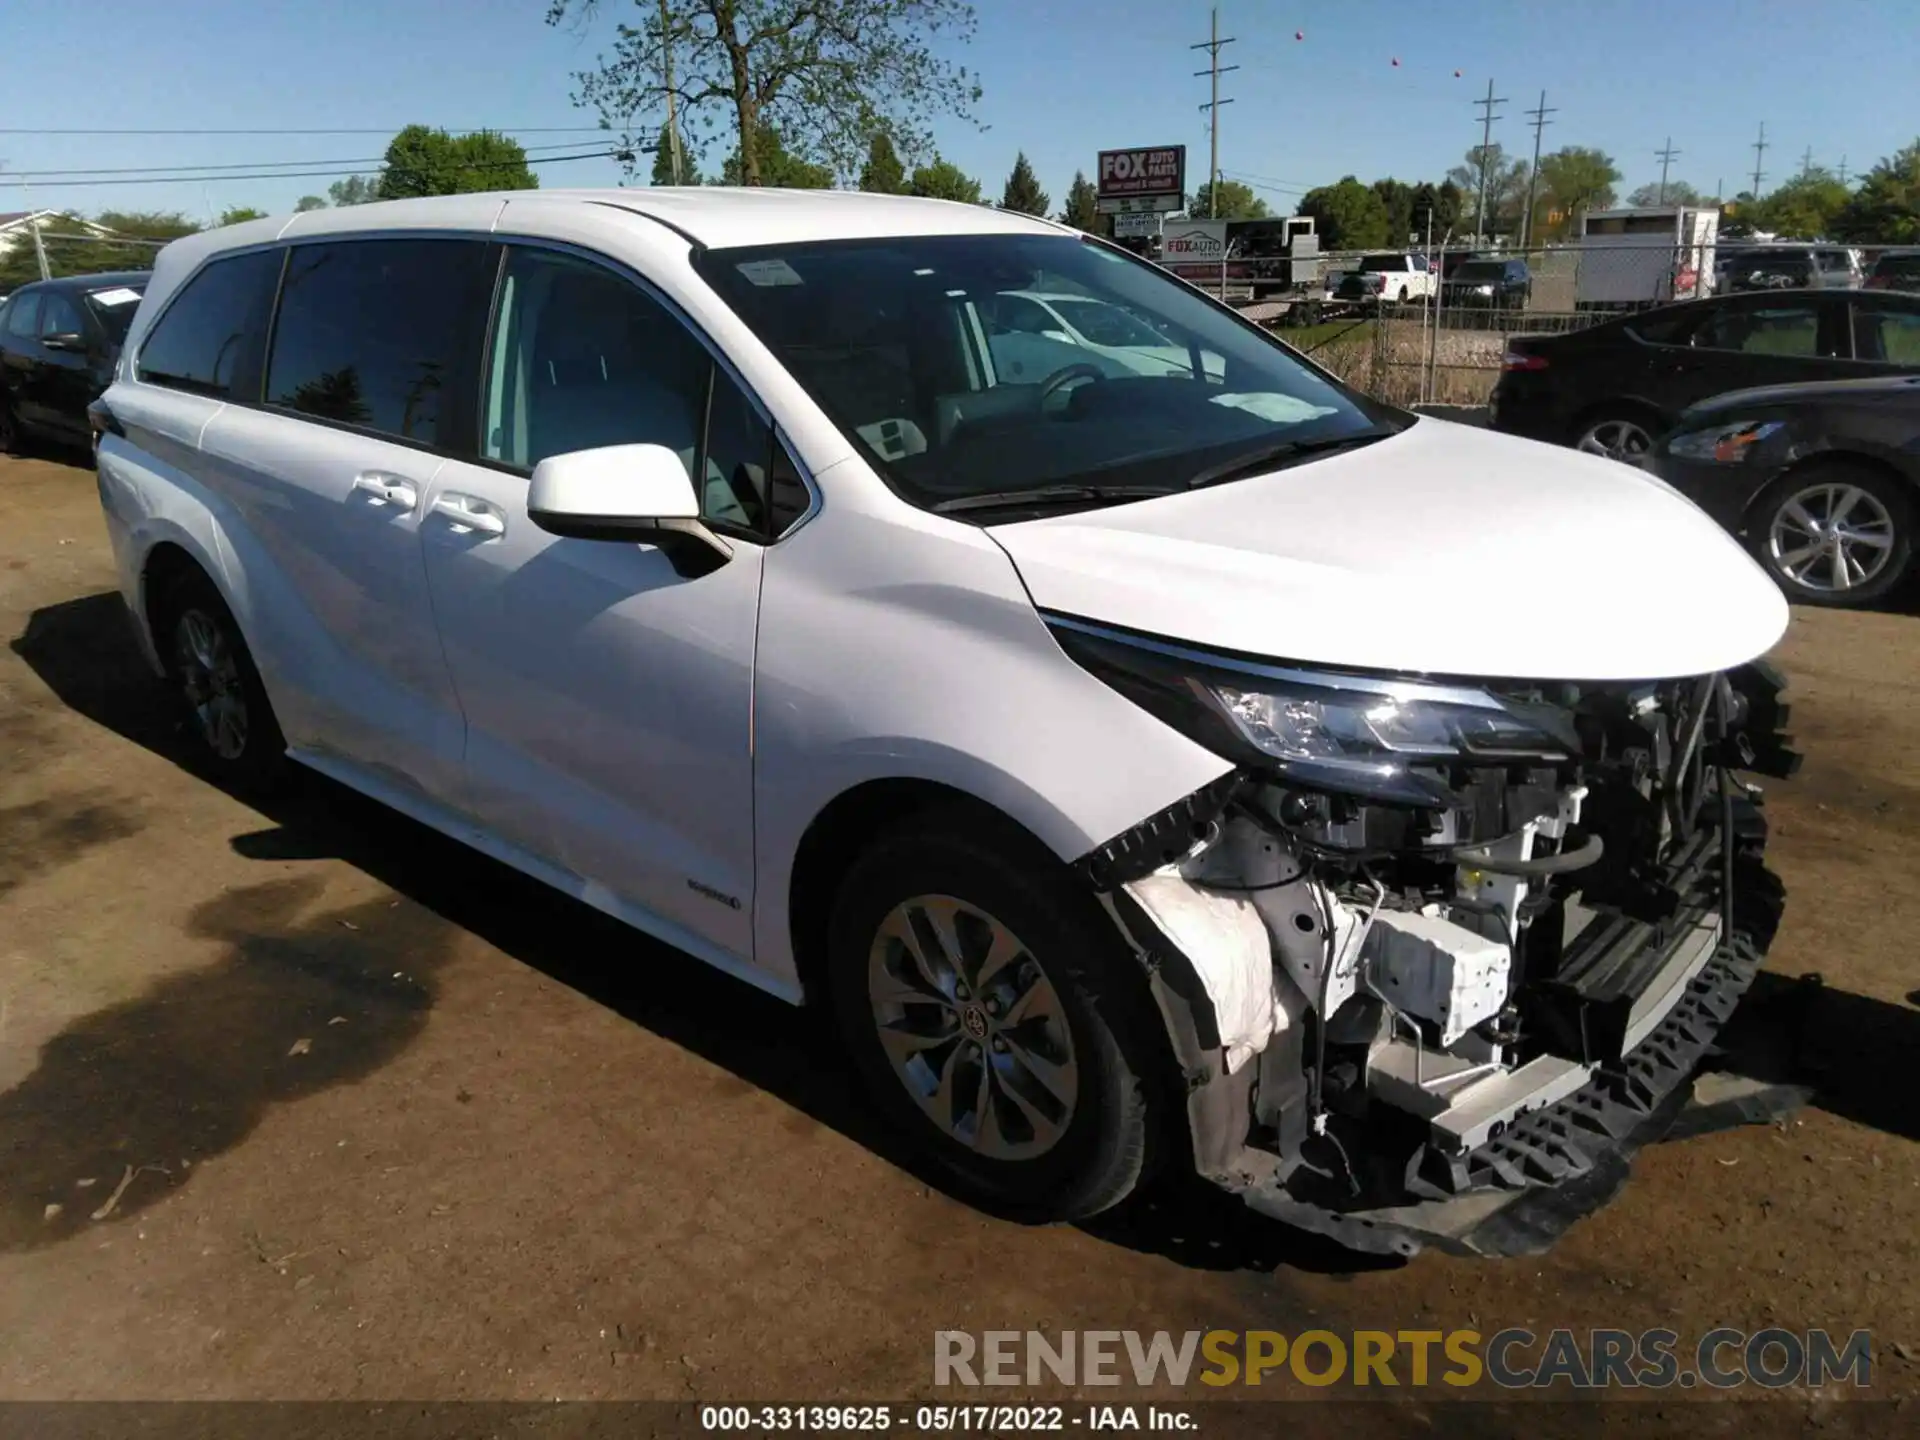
(1437, 956)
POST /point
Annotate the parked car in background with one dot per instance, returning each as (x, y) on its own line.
(1499, 284)
(1063, 740)
(1393, 279)
(1821, 480)
(1790, 267)
(1896, 270)
(1614, 388)
(1032, 335)
(58, 343)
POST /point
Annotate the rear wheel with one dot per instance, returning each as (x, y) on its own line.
(1835, 533)
(987, 1004)
(1619, 435)
(209, 663)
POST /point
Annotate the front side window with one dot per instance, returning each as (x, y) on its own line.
(115, 308)
(582, 358)
(209, 340)
(1788, 330)
(60, 316)
(906, 344)
(375, 333)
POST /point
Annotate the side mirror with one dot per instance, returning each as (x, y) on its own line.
(66, 340)
(639, 494)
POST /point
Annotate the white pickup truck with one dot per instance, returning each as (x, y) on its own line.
(1393, 279)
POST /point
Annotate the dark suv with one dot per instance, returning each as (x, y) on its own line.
(1790, 267)
(1501, 284)
(1895, 270)
(58, 343)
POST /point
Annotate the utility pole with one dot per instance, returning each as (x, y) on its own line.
(1666, 156)
(1540, 122)
(33, 224)
(1487, 117)
(673, 115)
(1843, 170)
(1806, 162)
(1759, 153)
(1214, 71)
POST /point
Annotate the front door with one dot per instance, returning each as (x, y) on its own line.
(60, 382)
(608, 697)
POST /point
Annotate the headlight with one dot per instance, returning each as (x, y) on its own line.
(1725, 444)
(1371, 737)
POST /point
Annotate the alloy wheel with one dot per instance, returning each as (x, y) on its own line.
(972, 1027)
(1831, 537)
(210, 677)
(1617, 440)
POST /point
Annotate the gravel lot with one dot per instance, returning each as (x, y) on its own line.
(314, 1103)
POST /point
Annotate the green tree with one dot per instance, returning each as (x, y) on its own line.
(1886, 207)
(943, 180)
(1237, 202)
(240, 213)
(1347, 215)
(1506, 188)
(1083, 204)
(1804, 208)
(776, 166)
(1679, 192)
(883, 174)
(308, 202)
(827, 75)
(354, 190)
(1023, 192)
(1397, 198)
(72, 249)
(423, 161)
(1442, 202)
(663, 160)
(1575, 180)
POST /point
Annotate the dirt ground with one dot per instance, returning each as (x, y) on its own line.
(317, 1104)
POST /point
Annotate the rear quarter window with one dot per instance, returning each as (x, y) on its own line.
(208, 341)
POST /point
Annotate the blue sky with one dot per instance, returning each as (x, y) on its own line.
(1063, 79)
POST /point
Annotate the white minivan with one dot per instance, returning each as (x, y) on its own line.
(1199, 760)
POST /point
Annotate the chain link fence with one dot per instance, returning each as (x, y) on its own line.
(1443, 345)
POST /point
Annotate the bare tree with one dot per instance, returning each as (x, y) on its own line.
(829, 74)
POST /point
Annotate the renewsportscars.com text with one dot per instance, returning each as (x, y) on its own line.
(1512, 1359)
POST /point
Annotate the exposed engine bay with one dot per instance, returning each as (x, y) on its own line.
(1436, 948)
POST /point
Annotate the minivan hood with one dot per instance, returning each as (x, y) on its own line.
(1444, 550)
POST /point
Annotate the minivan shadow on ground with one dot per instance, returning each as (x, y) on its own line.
(84, 653)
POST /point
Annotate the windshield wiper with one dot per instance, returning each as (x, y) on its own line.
(1270, 456)
(1049, 495)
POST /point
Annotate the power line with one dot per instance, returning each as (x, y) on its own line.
(1487, 117)
(1759, 151)
(295, 174)
(1666, 156)
(1215, 70)
(1540, 122)
(194, 171)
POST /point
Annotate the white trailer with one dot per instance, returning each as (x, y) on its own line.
(1646, 256)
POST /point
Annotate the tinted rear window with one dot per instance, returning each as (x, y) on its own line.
(372, 333)
(208, 340)
(1383, 262)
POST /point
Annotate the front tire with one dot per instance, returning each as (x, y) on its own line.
(1834, 533)
(988, 1005)
(207, 660)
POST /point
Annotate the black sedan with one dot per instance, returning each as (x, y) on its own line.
(1822, 481)
(1613, 388)
(58, 343)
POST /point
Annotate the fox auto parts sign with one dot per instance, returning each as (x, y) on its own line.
(1152, 177)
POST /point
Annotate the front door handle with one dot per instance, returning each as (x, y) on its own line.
(386, 489)
(470, 512)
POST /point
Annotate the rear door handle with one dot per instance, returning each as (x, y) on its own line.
(471, 512)
(387, 489)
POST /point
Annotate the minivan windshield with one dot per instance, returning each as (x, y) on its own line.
(945, 359)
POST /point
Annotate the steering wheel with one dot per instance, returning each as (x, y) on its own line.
(1066, 375)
